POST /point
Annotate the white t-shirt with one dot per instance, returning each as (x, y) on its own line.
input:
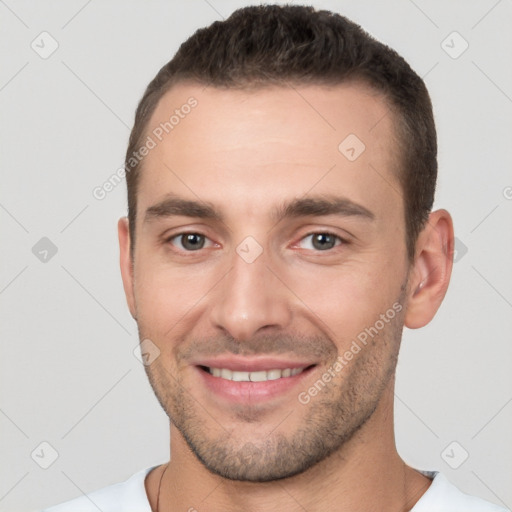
(130, 496)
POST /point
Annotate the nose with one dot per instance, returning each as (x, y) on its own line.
(251, 298)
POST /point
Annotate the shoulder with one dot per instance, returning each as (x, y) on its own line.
(442, 496)
(127, 496)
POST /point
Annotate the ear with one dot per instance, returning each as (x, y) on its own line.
(431, 271)
(126, 263)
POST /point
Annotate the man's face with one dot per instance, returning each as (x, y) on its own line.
(263, 252)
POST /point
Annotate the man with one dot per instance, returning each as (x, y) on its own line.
(281, 174)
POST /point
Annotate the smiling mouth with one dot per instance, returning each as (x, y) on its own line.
(255, 376)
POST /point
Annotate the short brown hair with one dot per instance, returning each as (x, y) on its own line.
(279, 45)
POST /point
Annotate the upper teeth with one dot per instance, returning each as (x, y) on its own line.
(259, 376)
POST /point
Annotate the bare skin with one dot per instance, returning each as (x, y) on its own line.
(246, 153)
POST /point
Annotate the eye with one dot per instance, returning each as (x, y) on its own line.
(320, 241)
(189, 241)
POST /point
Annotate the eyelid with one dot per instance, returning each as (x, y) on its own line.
(342, 241)
(174, 232)
(210, 243)
(168, 240)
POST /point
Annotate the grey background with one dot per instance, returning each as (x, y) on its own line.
(69, 376)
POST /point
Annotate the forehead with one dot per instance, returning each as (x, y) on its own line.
(230, 145)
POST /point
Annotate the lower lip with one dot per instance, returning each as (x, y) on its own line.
(252, 392)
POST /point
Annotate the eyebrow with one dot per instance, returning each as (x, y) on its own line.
(173, 205)
(321, 205)
(316, 206)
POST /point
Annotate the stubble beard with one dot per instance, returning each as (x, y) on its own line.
(329, 420)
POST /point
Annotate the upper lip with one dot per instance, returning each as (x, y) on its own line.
(245, 364)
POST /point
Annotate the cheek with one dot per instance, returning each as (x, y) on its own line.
(349, 298)
(165, 297)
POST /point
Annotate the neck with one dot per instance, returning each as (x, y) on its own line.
(365, 474)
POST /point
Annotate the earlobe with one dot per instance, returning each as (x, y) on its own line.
(126, 263)
(431, 271)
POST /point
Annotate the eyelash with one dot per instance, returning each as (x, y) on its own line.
(341, 240)
(184, 233)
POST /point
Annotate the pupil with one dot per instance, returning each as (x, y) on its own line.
(192, 241)
(323, 241)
